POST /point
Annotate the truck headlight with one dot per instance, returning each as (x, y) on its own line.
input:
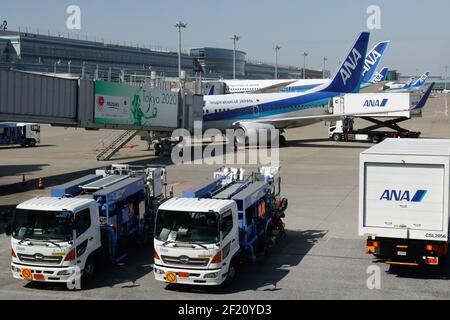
(211, 275)
(65, 273)
(159, 271)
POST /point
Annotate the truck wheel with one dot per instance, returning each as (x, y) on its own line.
(32, 143)
(376, 139)
(89, 270)
(337, 137)
(231, 274)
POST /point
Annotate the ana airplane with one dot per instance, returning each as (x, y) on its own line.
(284, 110)
(410, 85)
(380, 76)
(371, 64)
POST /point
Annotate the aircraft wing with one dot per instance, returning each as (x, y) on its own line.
(275, 88)
(294, 122)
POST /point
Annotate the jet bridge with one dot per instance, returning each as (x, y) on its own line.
(73, 102)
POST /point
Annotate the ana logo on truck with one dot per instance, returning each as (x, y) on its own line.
(399, 195)
(375, 103)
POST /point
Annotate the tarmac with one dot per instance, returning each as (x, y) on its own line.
(322, 256)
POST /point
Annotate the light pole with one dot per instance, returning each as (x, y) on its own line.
(324, 63)
(55, 64)
(235, 39)
(445, 90)
(277, 48)
(305, 54)
(83, 69)
(179, 25)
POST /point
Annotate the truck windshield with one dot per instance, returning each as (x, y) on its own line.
(190, 227)
(42, 225)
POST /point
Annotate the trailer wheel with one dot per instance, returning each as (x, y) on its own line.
(376, 139)
(31, 143)
(337, 137)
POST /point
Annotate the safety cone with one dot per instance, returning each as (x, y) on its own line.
(40, 184)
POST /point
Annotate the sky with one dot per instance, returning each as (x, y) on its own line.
(419, 30)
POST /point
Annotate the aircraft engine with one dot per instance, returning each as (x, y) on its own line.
(256, 134)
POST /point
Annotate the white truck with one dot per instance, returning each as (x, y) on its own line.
(404, 200)
(201, 237)
(383, 110)
(84, 222)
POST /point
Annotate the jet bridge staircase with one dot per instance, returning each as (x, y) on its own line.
(116, 145)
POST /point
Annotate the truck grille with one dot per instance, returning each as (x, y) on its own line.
(185, 261)
(39, 258)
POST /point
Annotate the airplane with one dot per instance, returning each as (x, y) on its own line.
(410, 85)
(371, 64)
(420, 82)
(283, 110)
(395, 85)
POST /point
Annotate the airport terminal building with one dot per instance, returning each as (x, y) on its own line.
(101, 60)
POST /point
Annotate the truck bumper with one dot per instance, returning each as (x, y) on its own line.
(45, 274)
(407, 252)
(211, 277)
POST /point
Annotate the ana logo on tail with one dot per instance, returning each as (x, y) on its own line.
(371, 59)
(350, 65)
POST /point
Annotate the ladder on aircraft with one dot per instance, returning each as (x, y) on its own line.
(116, 145)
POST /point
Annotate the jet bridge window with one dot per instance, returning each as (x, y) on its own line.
(82, 221)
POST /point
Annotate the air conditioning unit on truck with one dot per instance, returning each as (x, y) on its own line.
(89, 220)
(404, 200)
(202, 236)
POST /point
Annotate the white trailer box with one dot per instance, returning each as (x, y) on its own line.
(376, 104)
(404, 190)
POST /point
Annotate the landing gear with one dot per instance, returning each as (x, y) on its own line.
(282, 141)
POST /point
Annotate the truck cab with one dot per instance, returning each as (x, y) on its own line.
(54, 239)
(193, 245)
(202, 236)
(31, 133)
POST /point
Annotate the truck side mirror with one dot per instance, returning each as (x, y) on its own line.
(8, 229)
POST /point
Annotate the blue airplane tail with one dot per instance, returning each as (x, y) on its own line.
(380, 77)
(373, 60)
(211, 91)
(425, 97)
(348, 77)
(384, 74)
(409, 83)
(421, 81)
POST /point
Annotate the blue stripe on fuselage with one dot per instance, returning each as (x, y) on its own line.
(272, 108)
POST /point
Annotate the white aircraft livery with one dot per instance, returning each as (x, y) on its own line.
(286, 110)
